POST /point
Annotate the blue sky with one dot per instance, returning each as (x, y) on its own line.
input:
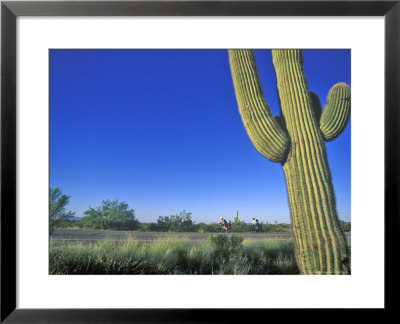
(160, 130)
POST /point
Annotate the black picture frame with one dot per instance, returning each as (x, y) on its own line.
(10, 10)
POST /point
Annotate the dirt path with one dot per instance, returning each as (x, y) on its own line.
(93, 236)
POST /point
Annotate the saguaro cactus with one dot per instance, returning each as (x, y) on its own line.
(296, 140)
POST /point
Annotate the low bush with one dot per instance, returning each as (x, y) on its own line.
(225, 247)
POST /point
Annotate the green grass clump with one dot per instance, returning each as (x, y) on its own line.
(221, 254)
(271, 256)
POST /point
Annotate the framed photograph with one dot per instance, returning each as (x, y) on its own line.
(116, 116)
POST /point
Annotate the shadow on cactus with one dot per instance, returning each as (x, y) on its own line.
(296, 140)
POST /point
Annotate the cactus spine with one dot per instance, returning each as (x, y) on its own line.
(296, 140)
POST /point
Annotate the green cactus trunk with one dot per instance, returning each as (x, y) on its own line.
(297, 142)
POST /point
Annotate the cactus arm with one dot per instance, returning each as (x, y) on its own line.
(266, 134)
(336, 112)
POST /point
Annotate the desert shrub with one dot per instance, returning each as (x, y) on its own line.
(212, 228)
(271, 256)
(238, 265)
(148, 227)
(278, 228)
(225, 247)
(239, 226)
(200, 227)
(181, 222)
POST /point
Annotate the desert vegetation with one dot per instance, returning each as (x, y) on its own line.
(173, 226)
(117, 215)
(220, 254)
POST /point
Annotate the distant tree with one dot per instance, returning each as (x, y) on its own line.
(181, 222)
(57, 211)
(112, 214)
(185, 218)
(346, 226)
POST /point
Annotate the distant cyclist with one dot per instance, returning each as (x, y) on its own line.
(223, 223)
(255, 224)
